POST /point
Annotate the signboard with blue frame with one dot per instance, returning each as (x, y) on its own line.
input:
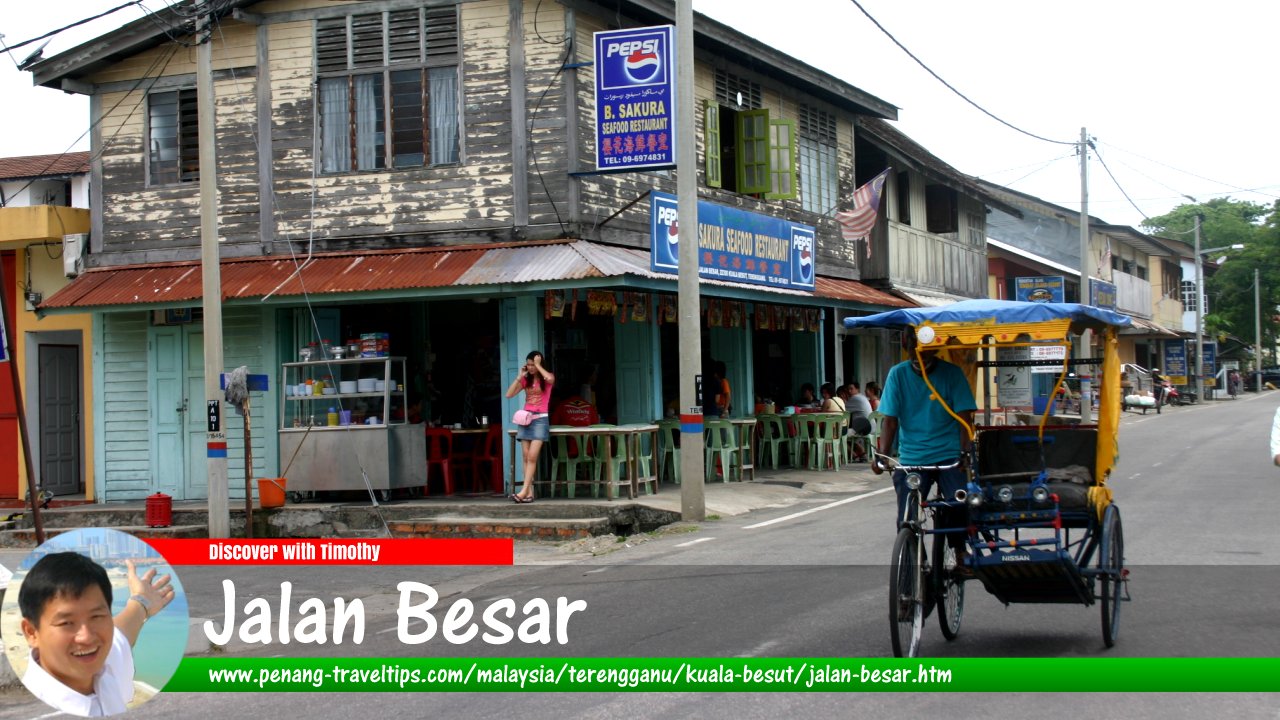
(1210, 363)
(1102, 294)
(635, 98)
(1175, 362)
(734, 245)
(1041, 289)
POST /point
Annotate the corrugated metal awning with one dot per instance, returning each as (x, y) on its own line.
(344, 273)
(1142, 326)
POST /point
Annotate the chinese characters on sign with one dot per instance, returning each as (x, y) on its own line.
(734, 245)
(635, 98)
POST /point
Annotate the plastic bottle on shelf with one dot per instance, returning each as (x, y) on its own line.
(332, 419)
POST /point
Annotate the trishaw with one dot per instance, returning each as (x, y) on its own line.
(1041, 525)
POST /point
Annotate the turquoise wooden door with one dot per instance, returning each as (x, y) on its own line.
(633, 357)
(169, 409)
(178, 451)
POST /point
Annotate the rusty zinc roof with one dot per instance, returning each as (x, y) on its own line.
(499, 264)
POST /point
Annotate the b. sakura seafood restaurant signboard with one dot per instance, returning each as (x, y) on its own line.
(734, 245)
(635, 98)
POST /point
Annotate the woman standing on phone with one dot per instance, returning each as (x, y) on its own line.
(536, 382)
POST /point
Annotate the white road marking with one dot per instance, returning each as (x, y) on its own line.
(810, 511)
(695, 542)
(1157, 464)
(597, 570)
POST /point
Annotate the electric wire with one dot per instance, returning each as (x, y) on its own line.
(104, 115)
(1195, 175)
(77, 23)
(533, 119)
(1011, 183)
(1117, 182)
(561, 41)
(951, 87)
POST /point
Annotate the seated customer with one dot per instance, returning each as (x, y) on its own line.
(576, 412)
(808, 399)
(81, 658)
(830, 401)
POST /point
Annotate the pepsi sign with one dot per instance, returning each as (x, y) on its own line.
(635, 98)
(734, 245)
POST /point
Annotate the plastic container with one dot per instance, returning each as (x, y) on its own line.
(271, 492)
(332, 418)
(344, 417)
(159, 510)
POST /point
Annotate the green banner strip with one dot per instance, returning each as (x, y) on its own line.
(726, 675)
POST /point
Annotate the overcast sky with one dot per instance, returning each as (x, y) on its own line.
(1180, 95)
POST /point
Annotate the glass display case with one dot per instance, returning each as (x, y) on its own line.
(346, 419)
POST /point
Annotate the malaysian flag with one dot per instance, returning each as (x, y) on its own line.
(857, 224)
(1104, 260)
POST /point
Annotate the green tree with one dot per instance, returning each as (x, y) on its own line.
(1230, 284)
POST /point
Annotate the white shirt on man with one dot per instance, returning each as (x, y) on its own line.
(112, 686)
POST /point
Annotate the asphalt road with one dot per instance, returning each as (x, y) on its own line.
(1193, 484)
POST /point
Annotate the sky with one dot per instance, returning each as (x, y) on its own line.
(1178, 95)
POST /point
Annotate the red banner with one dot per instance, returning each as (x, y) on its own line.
(375, 551)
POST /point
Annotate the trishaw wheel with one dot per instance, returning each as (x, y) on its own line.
(1111, 564)
(948, 589)
(906, 597)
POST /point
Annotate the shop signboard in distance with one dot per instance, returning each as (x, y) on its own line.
(1175, 362)
(1041, 289)
(635, 98)
(734, 245)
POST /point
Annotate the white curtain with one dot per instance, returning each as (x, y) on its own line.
(444, 115)
(335, 143)
(367, 101)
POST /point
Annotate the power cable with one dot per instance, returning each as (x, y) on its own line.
(64, 28)
(561, 41)
(952, 88)
(1194, 175)
(1117, 182)
(533, 118)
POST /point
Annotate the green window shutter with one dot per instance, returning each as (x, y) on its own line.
(782, 160)
(711, 142)
(753, 152)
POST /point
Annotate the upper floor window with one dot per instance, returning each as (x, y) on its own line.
(388, 89)
(745, 150)
(173, 147)
(1188, 296)
(819, 175)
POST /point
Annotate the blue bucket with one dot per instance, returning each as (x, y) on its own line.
(1039, 404)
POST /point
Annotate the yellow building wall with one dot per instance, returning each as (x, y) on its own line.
(47, 277)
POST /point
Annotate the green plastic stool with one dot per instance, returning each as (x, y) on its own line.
(721, 439)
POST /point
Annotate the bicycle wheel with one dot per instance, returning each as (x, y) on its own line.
(948, 590)
(906, 599)
(1111, 563)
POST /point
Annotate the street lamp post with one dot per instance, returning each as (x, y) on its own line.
(1200, 300)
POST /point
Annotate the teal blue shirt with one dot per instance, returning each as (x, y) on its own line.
(927, 435)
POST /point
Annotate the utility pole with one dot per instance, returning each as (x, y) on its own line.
(693, 501)
(1257, 328)
(1083, 351)
(211, 275)
(1200, 295)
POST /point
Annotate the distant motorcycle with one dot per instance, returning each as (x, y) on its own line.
(1173, 397)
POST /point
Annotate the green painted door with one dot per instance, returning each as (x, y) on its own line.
(169, 409)
(178, 451)
(633, 357)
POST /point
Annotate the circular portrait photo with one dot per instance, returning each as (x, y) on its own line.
(94, 622)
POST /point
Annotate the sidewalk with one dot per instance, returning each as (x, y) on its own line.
(556, 518)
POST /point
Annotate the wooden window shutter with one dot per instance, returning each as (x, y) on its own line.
(711, 142)
(782, 160)
(752, 143)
